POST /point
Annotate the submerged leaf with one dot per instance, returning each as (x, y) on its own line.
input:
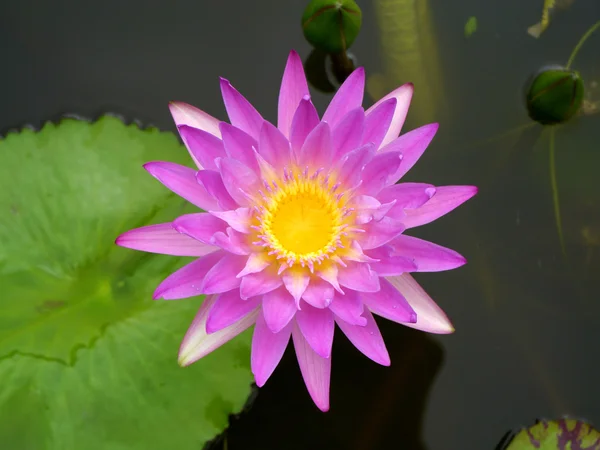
(470, 26)
(560, 434)
(87, 359)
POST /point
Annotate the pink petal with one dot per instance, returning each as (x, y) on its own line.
(367, 208)
(411, 145)
(367, 339)
(222, 277)
(379, 172)
(389, 264)
(232, 241)
(197, 343)
(318, 293)
(317, 327)
(256, 262)
(278, 309)
(267, 350)
(293, 89)
(359, 277)
(213, 183)
(377, 122)
(241, 113)
(353, 163)
(184, 114)
(430, 316)
(200, 226)
(259, 283)
(406, 195)
(349, 308)
(390, 304)
(228, 309)
(379, 233)
(316, 151)
(329, 273)
(348, 97)
(296, 282)
(203, 147)
(403, 96)
(274, 147)
(239, 219)
(163, 238)
(182, 181)
(315, 370)
(354, 252)
(348, 134)
(446, 198)
(305, 120)
(239, 180)
(239, 145)
(428, 257)
(187, 281)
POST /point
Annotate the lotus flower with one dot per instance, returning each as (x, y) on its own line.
(304, 226)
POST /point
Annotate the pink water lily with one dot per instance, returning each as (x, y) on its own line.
(305, 226)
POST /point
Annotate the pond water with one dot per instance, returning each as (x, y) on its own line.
(526, 315)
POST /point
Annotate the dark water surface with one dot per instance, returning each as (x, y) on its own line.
(527, 318)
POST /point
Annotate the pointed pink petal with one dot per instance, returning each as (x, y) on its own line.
(330, 274)
(274, 147)
(296, 282)
(184, 114)
(367, 339)
(446, 198)
(389, 264)
(305, 120)
(359, 277)
(238, 178)
(367, 208)
(348, 134)
(232, 241)
(430, 316)
(163, 238)
(228, 309)
(348, 97)
(406, 195)
(379, 233)
(316, 151)
(182, 181)
(317, 327)
(403, 96)
(377, 122)
(315, 370)
(390, 304)
(293, 89)
(197, 343)
(267, 350)
(278, 309)
(200, 226)
(213, 183)
(239, 145)
(259, 283)
(222, 277)
(238, 219)
(187, 281)
(203, 147)
(319, 293)
(353, 164)
(379, 172)
(428, 257)
(411, 145)
(354, 252)
(349, 308)
(256, 262)
(241, 113)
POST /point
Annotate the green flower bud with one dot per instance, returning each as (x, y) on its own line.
(555, 95)
(331, 25)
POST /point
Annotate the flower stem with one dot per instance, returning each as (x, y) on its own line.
(555, 197)
(584, 38)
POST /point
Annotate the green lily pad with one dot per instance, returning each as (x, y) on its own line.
(87, 359)
(560, 434)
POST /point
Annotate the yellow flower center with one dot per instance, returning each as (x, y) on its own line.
(302, 220)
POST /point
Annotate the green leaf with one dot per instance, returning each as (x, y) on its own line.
(556, 435)
(87, 359)
(470, 26)
(331, 25)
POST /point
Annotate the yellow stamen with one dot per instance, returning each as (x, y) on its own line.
(302, 220)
